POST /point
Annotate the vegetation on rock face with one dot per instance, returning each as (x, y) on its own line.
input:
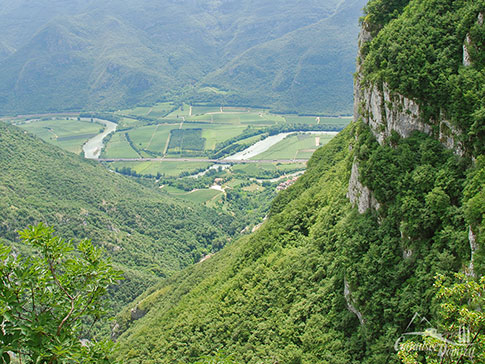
(420, 55)
(462, 322)
(319, 282)
(50, 300)
(279, 294)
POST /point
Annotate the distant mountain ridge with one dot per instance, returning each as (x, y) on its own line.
(74, 55)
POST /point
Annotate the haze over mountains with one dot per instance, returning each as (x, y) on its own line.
(85, 55)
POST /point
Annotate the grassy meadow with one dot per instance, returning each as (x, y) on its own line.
(297, 146)
(69, 134)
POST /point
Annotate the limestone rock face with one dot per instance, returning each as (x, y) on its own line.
(386, 111)
(358, 194)
(467, 61)
(472, 238)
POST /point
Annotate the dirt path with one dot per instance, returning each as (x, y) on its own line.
(150, 142)
(166, 145)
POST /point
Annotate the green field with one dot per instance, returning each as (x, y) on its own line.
(316, 120)
(166, 168)
(182, 111)
(295, 146)
(69, 134)
(198, 110)
(301, 119)
(161, 109)
(201, 196)
(198, 195)
(118, 147)
(153, 138)
(189, 139)
(215, 134)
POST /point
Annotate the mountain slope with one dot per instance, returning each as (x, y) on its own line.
(299, 70)
(91, 55)
(146, 234)
(350, 252)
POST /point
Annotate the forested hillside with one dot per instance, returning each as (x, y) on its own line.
(85, 55)
(350, 252)
(148, 235)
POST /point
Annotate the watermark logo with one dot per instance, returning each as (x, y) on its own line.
(429, 339)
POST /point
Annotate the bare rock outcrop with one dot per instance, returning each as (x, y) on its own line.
(472, 238)
(468, 43)
(360, 196)
(351, 304)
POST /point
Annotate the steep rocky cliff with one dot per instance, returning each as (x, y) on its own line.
(386, 110)
(350, 252)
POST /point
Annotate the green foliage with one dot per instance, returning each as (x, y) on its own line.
(186, 140)
(218, 358)
(420, 55)
(462, 325)
(380, 12)
(278, 295)
(47, 299)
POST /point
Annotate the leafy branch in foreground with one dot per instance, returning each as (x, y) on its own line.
(50, 300)
(463, 326)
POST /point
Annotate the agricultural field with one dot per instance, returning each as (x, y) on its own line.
(182, 140)
(119, 147)
(266, 170)
(153, 138)
(201, 196)
(296, 146)
(69, 134)
(158, 110)
(198, 132)
(318, 120)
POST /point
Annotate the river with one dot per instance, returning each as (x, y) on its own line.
(92, 148)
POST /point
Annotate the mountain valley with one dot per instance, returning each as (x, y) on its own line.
(362, 246)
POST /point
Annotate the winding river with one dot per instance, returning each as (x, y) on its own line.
(92, 148)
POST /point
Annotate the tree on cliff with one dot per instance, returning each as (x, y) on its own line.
(49, 300)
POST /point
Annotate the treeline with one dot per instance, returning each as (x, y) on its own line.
(101, 115)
